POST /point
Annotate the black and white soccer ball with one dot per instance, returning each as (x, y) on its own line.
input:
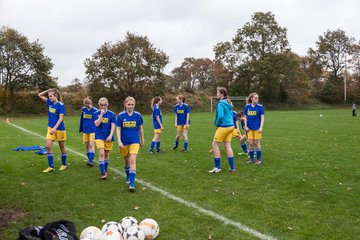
(133, 233)
(111, 226)
(127, 222)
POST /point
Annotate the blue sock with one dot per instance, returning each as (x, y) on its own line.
(88, 155)
(50, 158)
(252, 154)
(91, 157)
(186, 145)
(106, 164)
(258, 154)
(176, 143)
(102, 167)
(63, 159)
(127, 170)
(231, 162)
(152, 146)
(217, 162)
(157, 145)
(244, 147)
(132, 176)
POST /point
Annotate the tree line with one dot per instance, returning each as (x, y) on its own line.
(257, 59)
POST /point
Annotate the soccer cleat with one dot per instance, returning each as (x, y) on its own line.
(62, 167)
(104, 176)
(150, 152)
(184, 150)
(90, 164)
(258, 162)
(131, 188)
(158, 150)
(250, 161)
(232, 169)
(49, 169)
(174, 148)
(215, 170)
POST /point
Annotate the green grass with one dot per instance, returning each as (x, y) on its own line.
(307, 187)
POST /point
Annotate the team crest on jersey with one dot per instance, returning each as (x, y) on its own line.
(251, 113)
(105, 120)
(88, 116)
(129, 124)
(52, 110)
(180, 111)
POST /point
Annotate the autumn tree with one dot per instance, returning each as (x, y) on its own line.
(23, 67)
(194, 74)
(132, 67)
(354, 83)
(259, 59)
(333, 50)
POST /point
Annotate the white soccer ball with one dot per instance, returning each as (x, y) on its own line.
(111, 226)
(320, 115)
(150, 228)
(111, 235)
(127, 222)
(90, 233)
(133, 233)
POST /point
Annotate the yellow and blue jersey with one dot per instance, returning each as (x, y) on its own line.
(54, 112)
(87, 124)
(253, 116)
(156, 112)
(130, 126)
(104, 129)
(181, 113)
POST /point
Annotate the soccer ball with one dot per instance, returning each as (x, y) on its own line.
(127, 222)
(111, 226)
(90, 233)
(150, 228)
(111, 235)
(134, 233)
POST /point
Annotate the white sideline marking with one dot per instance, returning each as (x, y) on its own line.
(175, 198)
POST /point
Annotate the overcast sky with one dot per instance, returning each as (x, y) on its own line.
(72, 30)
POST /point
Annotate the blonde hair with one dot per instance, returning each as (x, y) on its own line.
(56, 93)
(87, 100)
(103, 100)
(155, 100)
(127, 100)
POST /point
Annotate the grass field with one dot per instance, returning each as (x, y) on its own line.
(306, 188)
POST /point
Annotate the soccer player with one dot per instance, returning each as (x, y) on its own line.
(104, 120)
(353, 109)
(243, 138)
(87, 127)
(130, 137)
(157, 123)
(56, 127)
(254, 122)
(182, 121)
(224, 123)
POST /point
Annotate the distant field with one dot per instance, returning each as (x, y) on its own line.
(307, 188)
